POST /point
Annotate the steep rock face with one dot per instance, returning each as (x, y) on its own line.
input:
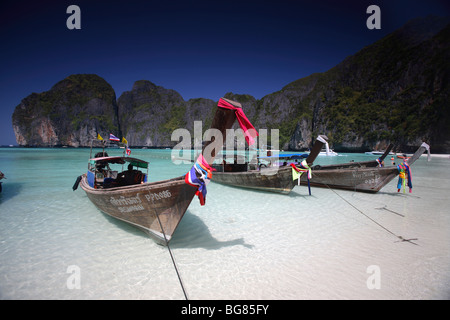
(395, 90)
(146, 113)
(199, 109)
(71, 113)
(149, 114)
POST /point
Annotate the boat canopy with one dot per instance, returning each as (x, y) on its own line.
(120, 160)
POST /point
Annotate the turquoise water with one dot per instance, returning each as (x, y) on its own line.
(244, 244)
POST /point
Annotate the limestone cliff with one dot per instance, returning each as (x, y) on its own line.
(148, 114)
(395, 90)
(71, 113)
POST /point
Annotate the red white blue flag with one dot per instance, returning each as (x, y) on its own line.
(113, 137)
(199, 176)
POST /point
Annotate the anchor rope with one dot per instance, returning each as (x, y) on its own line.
(173, 259)
(377, 223)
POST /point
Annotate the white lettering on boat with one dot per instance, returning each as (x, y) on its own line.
(138, 207)
(151, 197)
(369, 177)
(122, 201)
(372, 181)
(362, 175)
(127, 204)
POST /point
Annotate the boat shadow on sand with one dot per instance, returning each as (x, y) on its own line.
(194, 233)
(191, 233)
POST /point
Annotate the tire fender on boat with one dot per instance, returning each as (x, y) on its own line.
(77, 182)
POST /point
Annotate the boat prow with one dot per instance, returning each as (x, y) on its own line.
(156, 208)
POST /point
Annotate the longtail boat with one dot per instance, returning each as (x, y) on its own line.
(155, 207)
(364, 176)
(273, 178)
(2, 176)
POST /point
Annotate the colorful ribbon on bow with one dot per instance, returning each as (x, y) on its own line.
(380, 162)
(297, 172)
(403, 175)
(246, 126)
(198, 177)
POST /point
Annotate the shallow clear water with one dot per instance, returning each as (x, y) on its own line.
(242, 244)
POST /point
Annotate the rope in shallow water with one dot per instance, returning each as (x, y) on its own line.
(173, 259)
(377, 223)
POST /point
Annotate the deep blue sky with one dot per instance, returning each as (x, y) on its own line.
(198, 48)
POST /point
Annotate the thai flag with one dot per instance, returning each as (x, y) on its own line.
(113, 138)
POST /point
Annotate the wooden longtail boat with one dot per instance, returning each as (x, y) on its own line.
(364, 176)
(1, 177)
(275, 179)
(155, 207)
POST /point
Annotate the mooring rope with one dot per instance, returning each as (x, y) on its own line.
(172, 257)
(377, 223)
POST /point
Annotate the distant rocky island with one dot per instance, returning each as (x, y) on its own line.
(395, 90)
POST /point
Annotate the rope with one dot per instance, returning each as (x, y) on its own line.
(172, 257)
(380, 225)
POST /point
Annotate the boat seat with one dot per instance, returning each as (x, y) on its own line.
(127, 178)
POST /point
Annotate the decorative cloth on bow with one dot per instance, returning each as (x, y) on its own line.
(404, 174)
(380, 162)
(246, 126)
(199, 176)
(297, 172)
(427, 147)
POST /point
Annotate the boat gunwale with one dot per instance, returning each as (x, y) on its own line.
(132, 188)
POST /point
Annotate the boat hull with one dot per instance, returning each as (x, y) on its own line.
(366, 179)
(364, 176)
(274, 180)
(141, 205)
